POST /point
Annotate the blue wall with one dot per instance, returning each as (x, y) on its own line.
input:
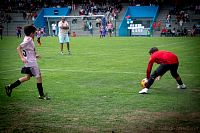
(142, 11)
(40, 21)
(61, 11)
(137, 12)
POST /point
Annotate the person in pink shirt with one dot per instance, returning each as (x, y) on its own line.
(110, 28)
(27, 53)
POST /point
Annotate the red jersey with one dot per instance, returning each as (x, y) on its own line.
(161, 57)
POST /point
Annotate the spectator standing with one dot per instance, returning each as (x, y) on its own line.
(181, 24)
(102, 31)
(84, 25)
(110, 28)
(174, 32)
(24, 15)
(163, 32)
(158, 25)
(168, 18)
(193, 30)
(90, 27)
(34, 16)
(98, 22)
(39, 33)
(185, 32)
(54, 27)
(154, 25)
(19, 31)
(73, 6)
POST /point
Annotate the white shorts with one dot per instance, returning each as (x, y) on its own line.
(63, 38)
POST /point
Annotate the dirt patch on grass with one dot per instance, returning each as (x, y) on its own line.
(196, 90)
(157, 115)
(164, 121)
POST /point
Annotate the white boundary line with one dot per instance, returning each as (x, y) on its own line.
(168, 44)
(8, 71)
(106, 72)
(115, 72)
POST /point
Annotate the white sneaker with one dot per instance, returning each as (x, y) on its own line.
(144, 91)
(183, 86)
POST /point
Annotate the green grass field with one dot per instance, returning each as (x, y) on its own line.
(96, 88)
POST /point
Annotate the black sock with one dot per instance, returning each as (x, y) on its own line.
(149, 83)
(15, 84)
(40, 89)
(179, 82)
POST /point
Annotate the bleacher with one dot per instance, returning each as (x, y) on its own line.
(142, 15)
(194, 19)
(18, 20)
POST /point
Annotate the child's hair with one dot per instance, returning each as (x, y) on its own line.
(29, 29)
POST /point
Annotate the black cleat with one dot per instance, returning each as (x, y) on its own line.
(45, 97)
(8, 90)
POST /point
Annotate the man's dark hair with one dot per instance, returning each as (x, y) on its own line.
(29, 29)
(152, 50)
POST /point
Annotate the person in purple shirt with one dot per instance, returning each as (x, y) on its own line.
(27, 53)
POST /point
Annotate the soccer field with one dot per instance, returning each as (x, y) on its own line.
(95, 89)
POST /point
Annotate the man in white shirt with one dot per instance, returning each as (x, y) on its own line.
(63, 34)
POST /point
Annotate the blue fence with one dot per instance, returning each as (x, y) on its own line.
(41, 21)
(137, 12)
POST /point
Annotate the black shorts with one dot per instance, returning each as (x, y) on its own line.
(163, 68)
(27, 70)
(109, 30)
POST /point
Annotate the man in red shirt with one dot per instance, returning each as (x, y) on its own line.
(168, 62)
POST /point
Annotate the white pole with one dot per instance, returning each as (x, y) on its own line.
(48, 26)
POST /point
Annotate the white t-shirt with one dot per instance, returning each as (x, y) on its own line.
(63, 31)
(53, 26)
(29, 51)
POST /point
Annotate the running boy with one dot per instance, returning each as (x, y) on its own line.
(168, 62)
(27, 53)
